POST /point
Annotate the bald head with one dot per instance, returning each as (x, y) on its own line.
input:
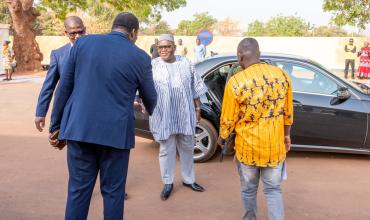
(248, 52)
(74, 28)
(72, 21)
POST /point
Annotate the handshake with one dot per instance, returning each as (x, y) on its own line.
(138, 104)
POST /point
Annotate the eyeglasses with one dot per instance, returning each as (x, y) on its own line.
(164, 47)
(73, 34)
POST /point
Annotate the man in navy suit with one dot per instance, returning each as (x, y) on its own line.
(93, 110)
(73, 29)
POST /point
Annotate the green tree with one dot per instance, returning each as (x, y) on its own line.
(4, 14)
(256, 28)
(143, 9)
(329, 31)
(48, 25)
(349, 12)
(24, 15)
(184, 28)
(159, 28)
(192, 27)
(286, 26)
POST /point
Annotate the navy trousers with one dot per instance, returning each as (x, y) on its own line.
(85, 161)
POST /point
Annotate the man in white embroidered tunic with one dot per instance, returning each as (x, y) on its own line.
(176, 114)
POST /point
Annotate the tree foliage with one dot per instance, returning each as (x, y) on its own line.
(329, 31)
(157, 28)
(256, 28)
(144, 9)
(4, 13)
(279, 26)
(349, 12)
(24, 14)
(286, 26)
(192, 27)
(227, 27)
(47, 24)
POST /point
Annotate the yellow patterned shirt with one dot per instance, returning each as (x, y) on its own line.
(257, 103)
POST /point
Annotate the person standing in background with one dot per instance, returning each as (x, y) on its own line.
(350, 56)
(181, 49)
(8, 58)
(364, 67)
(199, 52)
(73, 29)
(154, 50)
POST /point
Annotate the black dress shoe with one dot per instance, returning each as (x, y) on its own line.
(194, 186)
(126, 196)
(166, 192)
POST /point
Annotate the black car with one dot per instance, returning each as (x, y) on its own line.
(330, 114)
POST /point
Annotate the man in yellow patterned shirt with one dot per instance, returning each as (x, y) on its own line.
(257, 105)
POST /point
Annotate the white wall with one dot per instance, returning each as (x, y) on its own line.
(329, 51)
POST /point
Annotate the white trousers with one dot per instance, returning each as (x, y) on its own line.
(167, 158)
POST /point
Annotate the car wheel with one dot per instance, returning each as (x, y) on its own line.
(205, 141)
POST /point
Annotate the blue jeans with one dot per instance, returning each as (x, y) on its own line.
(271, 179)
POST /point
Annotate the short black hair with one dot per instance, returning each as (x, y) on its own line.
(127, 21)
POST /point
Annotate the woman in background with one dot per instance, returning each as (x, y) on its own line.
(8, 57)
(364, 67)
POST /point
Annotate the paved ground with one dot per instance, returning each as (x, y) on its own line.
(33, 177)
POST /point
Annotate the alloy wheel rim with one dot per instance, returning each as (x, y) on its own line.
(202, 142)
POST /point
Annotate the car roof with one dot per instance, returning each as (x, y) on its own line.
(213, 61)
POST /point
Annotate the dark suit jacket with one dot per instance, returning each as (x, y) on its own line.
(94, 100)
(57, 58)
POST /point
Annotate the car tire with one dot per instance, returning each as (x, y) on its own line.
(205, 141)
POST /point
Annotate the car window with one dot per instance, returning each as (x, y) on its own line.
(216, 80)
(305, 79)
(236, 68)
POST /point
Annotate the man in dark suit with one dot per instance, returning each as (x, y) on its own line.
(93, 110)
(73, 29)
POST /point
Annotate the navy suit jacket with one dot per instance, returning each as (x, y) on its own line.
(94, 100)
(57, 58)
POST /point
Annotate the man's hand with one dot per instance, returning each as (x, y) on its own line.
(220, 141)
(198, 115)
(40, 123)
(54, 142)
(139, 105)
(287, 143)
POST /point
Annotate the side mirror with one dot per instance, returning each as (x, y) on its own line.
(343, 94)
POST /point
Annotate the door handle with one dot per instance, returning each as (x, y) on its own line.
(297, 103)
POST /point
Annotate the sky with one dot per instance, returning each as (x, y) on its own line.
(247, 11)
